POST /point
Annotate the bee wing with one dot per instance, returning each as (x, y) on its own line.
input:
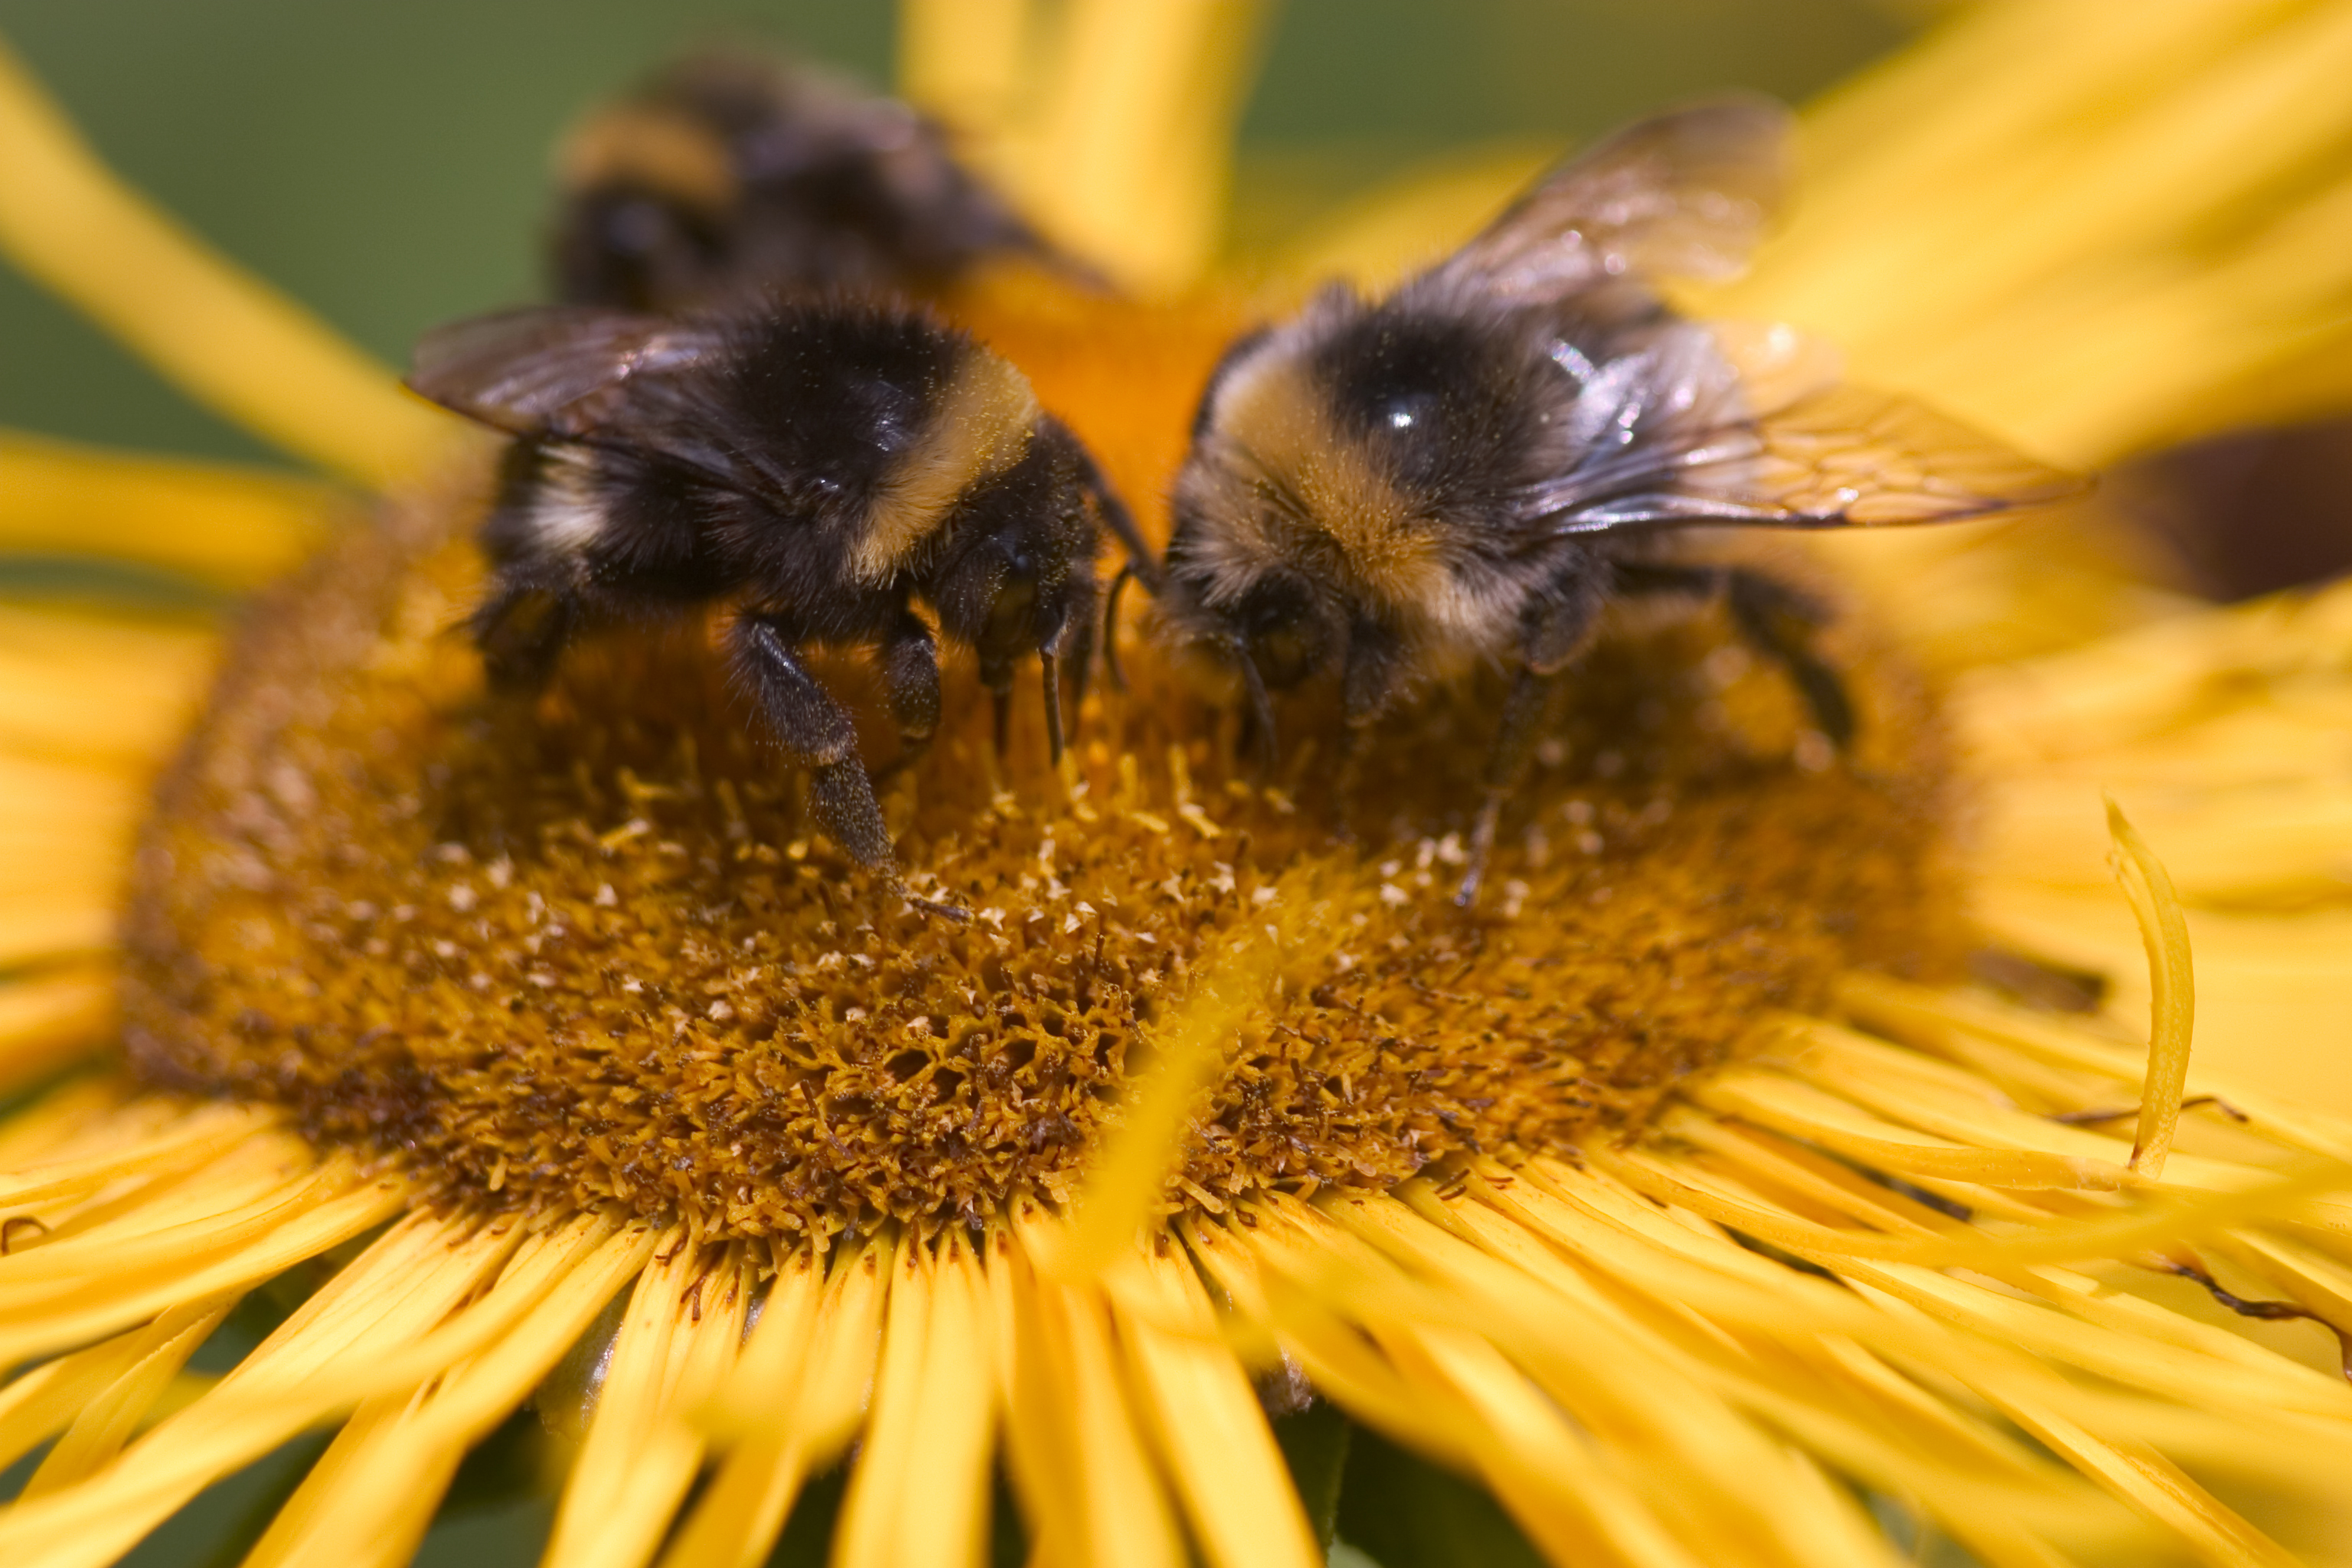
(1687, 193)
(553, 370)
(1673, 436)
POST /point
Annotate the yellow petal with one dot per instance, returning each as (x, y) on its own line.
(228, 339)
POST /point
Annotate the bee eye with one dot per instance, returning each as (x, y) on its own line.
(1410, 411)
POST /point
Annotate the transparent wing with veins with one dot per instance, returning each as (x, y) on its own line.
(600, 377)
(1687, 193)
(1702, 426)
(555, 370)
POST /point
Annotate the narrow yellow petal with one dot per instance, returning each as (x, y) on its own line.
(2165, 929)
(2154, 1486)
(289, 1184)
(92, 1523)
(2067, 190)
(677, 1344)
(1725, 1486)
(1211, 1429)
(78, 924)
(108, 1420)
(100, 1308)
(2199, 1381)
(1086, 1481)
(965, 61)
(795, 1399)
(816, 1356)
(1966, 1027)
(48, 1020)
(303, 1530)
(80, 1118)
(1534, 1460)
(84, 689)
(1539, 1466)
(1343, 1365)
(1127, 1180)
(1990, 1493)
(1130, 158)
(1133, 1168)
(231, 526)
(45, 1400)
(373, 1495)
(227, 339)
(1905, 1311)
(1772, 1099)
(920, 1493)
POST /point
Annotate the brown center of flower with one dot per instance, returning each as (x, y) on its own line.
(597, 954)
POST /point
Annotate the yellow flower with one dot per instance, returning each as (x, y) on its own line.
(1692, 1203)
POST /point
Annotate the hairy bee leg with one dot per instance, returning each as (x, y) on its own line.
(1776, 619)
(1080, 659)
(910, 679)
(1506, 764)
(1052, 668)
(815, 730)
(1772, 618)
(520, 631)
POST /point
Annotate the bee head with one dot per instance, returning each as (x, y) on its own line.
(1245, 619)
(1021, 579)
(1278, 626)
(632, 248)
(650, 191)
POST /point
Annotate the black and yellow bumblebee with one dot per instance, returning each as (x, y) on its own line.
(740, 409)
(1474, 466)
(729, 172)
(810, 468)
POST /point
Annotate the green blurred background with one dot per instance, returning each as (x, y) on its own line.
(386, 162)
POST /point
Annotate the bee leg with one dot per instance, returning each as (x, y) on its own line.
(1776, 619)
(1112, 668)
(522, 630)
(1370, 684)
(1551, 641)
(1000, 700)
(1515, 742)
(1052, 667)
(1245, 734)
(1079, 658)
(1772, 618)
(816, 731)
(910, 678)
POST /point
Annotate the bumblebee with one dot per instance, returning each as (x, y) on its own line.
(729, 171)
(810, 468)
(1476, 466)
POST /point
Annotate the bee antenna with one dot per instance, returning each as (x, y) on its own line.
(1261, 704)
(1113, 511)
(1110, 627)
